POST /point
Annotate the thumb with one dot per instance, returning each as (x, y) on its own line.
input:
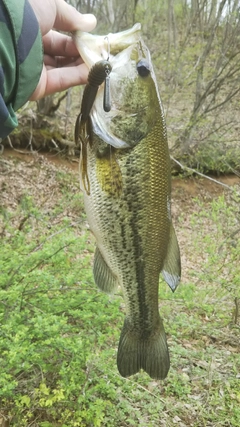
(69, 19)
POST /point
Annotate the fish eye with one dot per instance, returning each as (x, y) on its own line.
(143, 68)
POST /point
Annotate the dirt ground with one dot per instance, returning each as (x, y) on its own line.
(24, 171)
(44, 176)
(183, 189)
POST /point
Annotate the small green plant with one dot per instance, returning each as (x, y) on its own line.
(52, 317)
(59, 334)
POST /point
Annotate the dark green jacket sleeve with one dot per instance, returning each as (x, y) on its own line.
(20, 59)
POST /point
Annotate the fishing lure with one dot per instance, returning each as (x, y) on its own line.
(106, 95)
(97, 75)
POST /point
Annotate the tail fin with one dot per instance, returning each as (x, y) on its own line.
(150, 354)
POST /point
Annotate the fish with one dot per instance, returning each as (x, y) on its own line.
(127, 197)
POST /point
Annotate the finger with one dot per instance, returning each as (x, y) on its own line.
(69, 19)
(59, 79)
(59, 61)
(62, 16)
(55, 44)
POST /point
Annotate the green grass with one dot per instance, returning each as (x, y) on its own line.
(59, 334)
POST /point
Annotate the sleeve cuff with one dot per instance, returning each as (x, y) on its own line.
(28, 49)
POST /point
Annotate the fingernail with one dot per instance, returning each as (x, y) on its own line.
(89, 22)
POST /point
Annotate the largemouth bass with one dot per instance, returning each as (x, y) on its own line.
(128, 195)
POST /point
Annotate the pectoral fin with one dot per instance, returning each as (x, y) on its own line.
(103, 276)
(172, 264)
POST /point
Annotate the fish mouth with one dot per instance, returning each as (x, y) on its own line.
(118, 49)
(100, 129)
(93, 48)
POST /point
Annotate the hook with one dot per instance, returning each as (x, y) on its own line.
(108, 43)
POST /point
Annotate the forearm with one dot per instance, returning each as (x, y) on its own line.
(20, 59)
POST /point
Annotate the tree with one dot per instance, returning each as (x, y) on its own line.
(204, 61)
(195, 51)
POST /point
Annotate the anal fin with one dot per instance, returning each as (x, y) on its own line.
(103, 276)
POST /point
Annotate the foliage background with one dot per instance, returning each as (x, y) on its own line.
(195, 52)
(58, 333)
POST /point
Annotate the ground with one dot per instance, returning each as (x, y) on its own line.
(201, 318)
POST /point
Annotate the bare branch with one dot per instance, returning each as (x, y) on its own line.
(200, 174)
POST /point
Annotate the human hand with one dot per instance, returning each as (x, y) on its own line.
(62, 65)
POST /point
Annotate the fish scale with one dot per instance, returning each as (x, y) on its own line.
(128, 202)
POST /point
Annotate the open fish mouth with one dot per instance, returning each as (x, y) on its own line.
(95, 48)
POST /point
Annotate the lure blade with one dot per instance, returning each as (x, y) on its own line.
(106, 95)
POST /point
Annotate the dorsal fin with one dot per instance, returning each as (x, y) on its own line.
(172, 264)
